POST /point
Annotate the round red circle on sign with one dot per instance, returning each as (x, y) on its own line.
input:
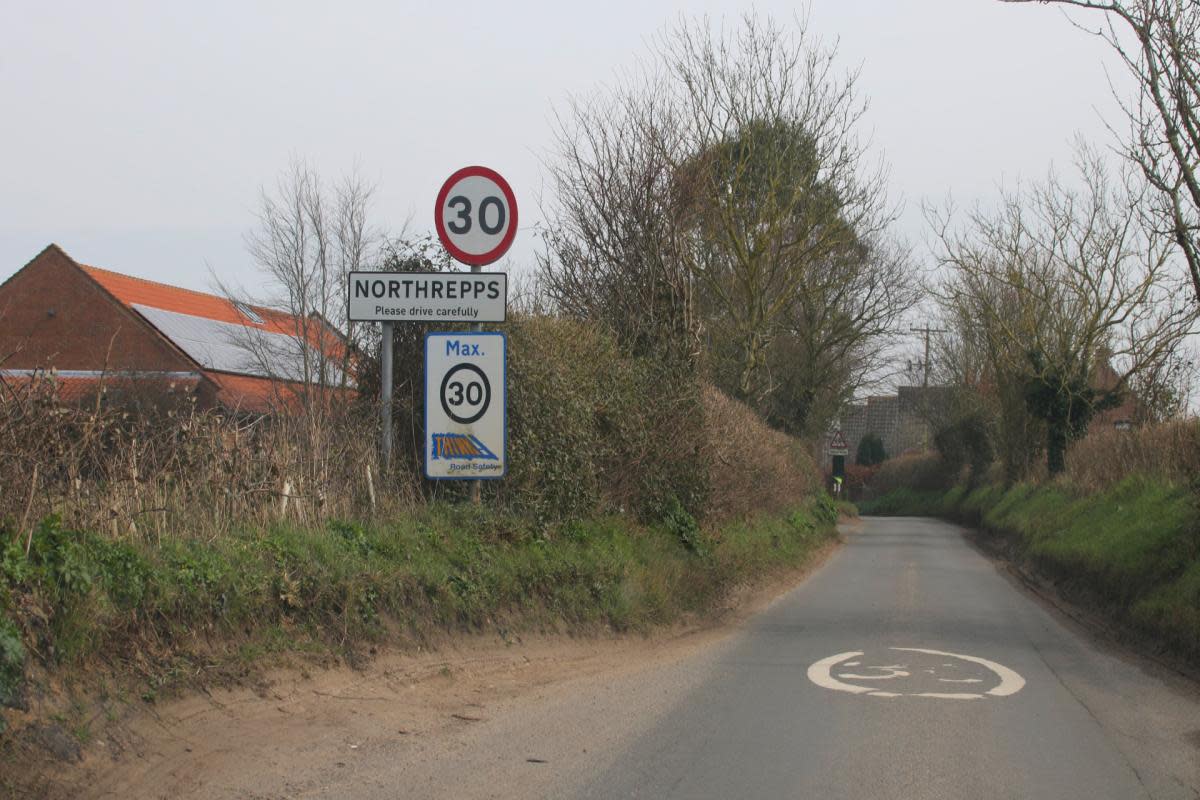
(469, 212)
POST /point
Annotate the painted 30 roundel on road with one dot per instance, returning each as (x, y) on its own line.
(476, 215)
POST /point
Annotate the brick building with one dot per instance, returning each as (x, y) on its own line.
(85, 329)
(905, 421)
(901, 420)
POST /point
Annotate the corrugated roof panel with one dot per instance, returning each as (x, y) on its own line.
(229, 347)
(139, 292)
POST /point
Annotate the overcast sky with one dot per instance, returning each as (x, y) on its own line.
(137, 135)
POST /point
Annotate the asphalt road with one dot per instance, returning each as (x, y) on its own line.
(935, 677)
(907, 666)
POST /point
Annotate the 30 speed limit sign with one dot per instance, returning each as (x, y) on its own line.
(476, 215)
(465, 406)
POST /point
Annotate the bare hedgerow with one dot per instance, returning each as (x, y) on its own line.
(1168, 452)
(752, 468)
(126, 469)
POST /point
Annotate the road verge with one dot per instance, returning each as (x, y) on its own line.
(146, 623)
(1129, 555)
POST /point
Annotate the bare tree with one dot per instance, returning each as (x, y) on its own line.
(1164, 141)
(1163, 392)
(609, 253)
(837, 337)
(984, 370)
(309, 238)
(1058, 281)
(722, 195)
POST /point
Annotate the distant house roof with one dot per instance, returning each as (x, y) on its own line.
(901, 420)
(249, 357)
(248, 393)
(138, 291)
(247, 350)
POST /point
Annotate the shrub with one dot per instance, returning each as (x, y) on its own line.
(591, 429)
(870, 451)
(104, 467)
(859, 479)
(922, 472)
(751, 467)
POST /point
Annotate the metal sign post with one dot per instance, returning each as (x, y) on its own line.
(838, 450)
(385, 393)
(476, 485)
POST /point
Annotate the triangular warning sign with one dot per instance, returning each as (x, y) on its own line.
(838, 442)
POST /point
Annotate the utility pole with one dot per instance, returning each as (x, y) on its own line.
(926, 330)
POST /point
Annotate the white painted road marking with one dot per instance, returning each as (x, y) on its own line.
(821, 673)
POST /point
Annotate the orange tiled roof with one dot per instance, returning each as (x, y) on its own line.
(138, 291)
(246, 393)
(261, 395)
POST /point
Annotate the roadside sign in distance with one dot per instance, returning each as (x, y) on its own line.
(465, 406)
(476, 215)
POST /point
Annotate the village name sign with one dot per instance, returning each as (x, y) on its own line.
(428, 296)
(465, 370)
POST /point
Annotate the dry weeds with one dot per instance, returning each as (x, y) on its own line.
(1169, 452)
(130, 470)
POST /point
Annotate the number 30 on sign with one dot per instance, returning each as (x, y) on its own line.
(465, 406)
(476, 215)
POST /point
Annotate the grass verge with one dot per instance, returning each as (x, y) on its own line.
(1131, 552)
(167, 610)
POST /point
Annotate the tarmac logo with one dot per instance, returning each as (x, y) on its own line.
(460, 446)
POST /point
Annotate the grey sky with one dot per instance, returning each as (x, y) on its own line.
(137, 135)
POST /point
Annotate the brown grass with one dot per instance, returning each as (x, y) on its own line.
(1169, 452)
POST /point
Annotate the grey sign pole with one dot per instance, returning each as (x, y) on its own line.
(476, 485)
(385, 393)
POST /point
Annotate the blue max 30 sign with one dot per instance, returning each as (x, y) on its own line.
(465, 406)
